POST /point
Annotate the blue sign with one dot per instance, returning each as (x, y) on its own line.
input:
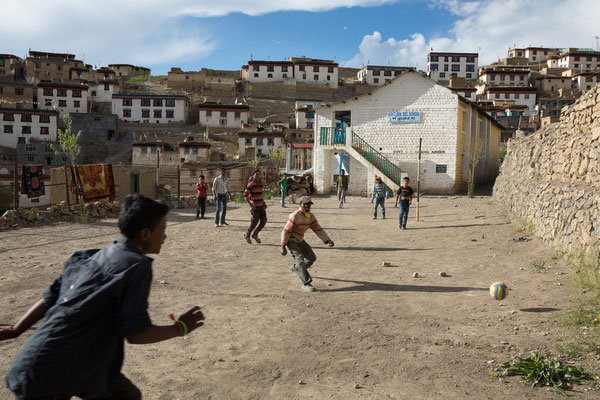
(404, 116)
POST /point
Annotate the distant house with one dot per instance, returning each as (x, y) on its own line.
(64, 97)
(579, 59)
(151, 108)
(223, 115)
(585, 80)
(295, 70)
(128, 70)
(16, 94)
(441, 66)
(162, 153)
(511, 95)
(377, 75)
(26, 125)
(534, 55)
(258, 143)
(11, 67)
(46, 66)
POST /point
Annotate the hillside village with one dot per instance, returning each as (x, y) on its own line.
(290, 116)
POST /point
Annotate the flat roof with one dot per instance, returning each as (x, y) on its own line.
(128, 65)
(261, 134)
(61, 85)
(452, 54)
(27, 110)
(510, 89)
(48, 54)
(149, 96)
(235, 107)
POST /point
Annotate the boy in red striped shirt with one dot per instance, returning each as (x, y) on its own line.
(258, 209)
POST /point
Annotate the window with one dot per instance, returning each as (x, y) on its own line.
(512, 78)
(144, 149)
(492, 77)
(48, 103)
(248, 141)
(284, 75)
(442, 74)
(256, 75)
(310, 114)
(48, 92)
(576, 58)
(433, 67)
(31, 148)
(18, 92)
(516, 95)
(157, 102)
(76, 93)
(376, 80)
(9, 117)
(269, 75)
(145, 113)
(26, 129)
(153, 149)
(195, 150)
(588, 66)
(467, 94)
(93, 93)
(526, 96)
(8, 129)
(44, 130)
(507, 95)
(145, 102)
(208, 113)
(497, 95)
(387, 73)
(77, 104)
(127, 102)
(455, 67)
(170, 103)
(223, 121)
(441, 168)
(328, 77)
(270, 142)
(30, 158)
(303, 76)
(455, 59)
(127, 113)
(445, 58)
(25, 117)
(576, 65)
(445, 67)
(256, 68)
(157, 113)
(186, 150)
(237, 115)
(434, 58)
(316, 69)
(62, 103)
(469, 75)
(106, 86)
(45, 118)
(270, 68)
(521, 78)
(1, 88)
(376, 72)
(301, 68)
(330, 70)
(502, 77)
(470, 68)
(284, 69)
(61, 92)
(169, 113)
(223, 114)
(259, 141)
(309, 125)
(470, 59)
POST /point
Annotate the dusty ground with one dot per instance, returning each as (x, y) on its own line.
(394, 335)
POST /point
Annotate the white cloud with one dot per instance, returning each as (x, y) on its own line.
(132, 31)
(490, 27)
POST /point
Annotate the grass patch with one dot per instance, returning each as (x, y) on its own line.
(525, 226)
(540, 370)
(489, 202)
(557, 254)
(143, 78)
(502, 154)
(538, 265)
(268, 195)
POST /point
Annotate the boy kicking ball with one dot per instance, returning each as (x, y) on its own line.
(293, 236)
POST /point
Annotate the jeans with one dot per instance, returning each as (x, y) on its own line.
(221, 207)
(304, 257)
(341, 196)
(123, 389)
(379, 201)
(403, 214)
(283, 193)
(201, 207)
(259, 217)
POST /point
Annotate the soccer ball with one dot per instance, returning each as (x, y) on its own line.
(499, 290)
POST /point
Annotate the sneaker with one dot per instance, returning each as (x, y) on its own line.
(374, 217)
(308, 287)
(216, 225)
(383, 217)
(247, 238)
(256, 238)
(197, 218)
(224, 223)
(293, 268)
(403, 226)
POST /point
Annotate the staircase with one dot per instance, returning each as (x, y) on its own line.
(336, 137)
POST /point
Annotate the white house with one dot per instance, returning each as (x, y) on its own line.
(151, 108)
(314, 71)
(25, 125)
(585, 80)
(223, 115)
(532, 54)
(551, 83)
(380, 133)
(258, 143)
(580, 60)
(162, 153)
(267, 71)
(511, 95)
(305, 117)
(377, 75)
(102, 91)
(66, 98)
(505, 76)
(441, 66)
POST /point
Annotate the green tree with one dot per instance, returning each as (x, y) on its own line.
(276, 156)
(474, 158)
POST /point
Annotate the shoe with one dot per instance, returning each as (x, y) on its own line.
(216, 225)
(374, 217)
(247, 238)
(256, 238)
(399, 226)
(383, 217)
(224, 223)
(403, 226)
(308, 287)
(197, 218)
(293, 268)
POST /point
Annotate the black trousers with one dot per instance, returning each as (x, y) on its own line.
(259, 217)
(201, 207)
(123, 389)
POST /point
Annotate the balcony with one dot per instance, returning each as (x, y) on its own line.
(332, 137)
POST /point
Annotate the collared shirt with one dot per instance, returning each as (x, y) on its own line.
(297, 224)
(283, 184)
(254, 193)
(201, 188)
(100, 299)
(220, 185)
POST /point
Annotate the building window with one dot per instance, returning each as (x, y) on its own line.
(521, 78)
(157, 113)
(145, 113)
(270, 68)
(269, 75)
(25, 117)
(26, 129)
(45, 118)
(248, 141)
(446, 67)
(433, 67)
(170, 103)
(316, 77)
(455, 59)
(76, 93)
(502, 77)
(304, 76)
(284, 75)
(433, 59)
(186, 150)
(48, 103)
(516, 95)
(387, 73)
(93, 93)
(330, 70)
(237, 115)
(576, 65)
(512, 78)
(284, 69)
(467, 94)
(270, 142)
(376, 80)
(30, 158)
(77, 104)
(8, 129)
(61, 92)
(469, 75)
(145, 102)
(195, 150)
(18, 92)
(455, 67)
(256, 75)
(144, 149)
(126, 113)
(507, 95)
(576, 58)
(301, 68)
(309, 125)
(127, 102)
(255, 67)
(526, 96)
(442, 74)
(259, 141)
(208, 113)
(470, 59)
(44, 130)
(31, 148)
(153, 149)
(497, 95)
(62, 103)
(9, 117)
(470, 68)
(223, 114)
(169, 113)
(157, 102)
(223, 121)
(106, 86)
(328, 77)
(48, 92)
(441, 168)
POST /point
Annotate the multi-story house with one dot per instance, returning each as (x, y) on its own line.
(46, 66)
(376, 75)
(301, 69)
(441, 66)
(251, 144)
(504, 75)
(16, 94)
(223, 115)
(579, 59)
(151, 108)
(305, 117)
(552, 83)
(534, 55)
(166, 154)
(585, 80)
(501, 95)
(267, 71)
(64, 97)
(11, 67)
(102, 91)
(128, 70)
(23, 125)
(551, 104)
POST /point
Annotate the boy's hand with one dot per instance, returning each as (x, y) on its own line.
(371, 201)
(192, 319)
(8, 332)
(329, 243)
(283, 250)
(396, 204)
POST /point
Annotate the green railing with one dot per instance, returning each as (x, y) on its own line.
(332, 136)
(378, 160)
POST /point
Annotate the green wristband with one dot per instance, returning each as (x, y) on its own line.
(185, 329)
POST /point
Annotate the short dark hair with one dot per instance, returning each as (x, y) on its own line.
(139, 212)
(406, 178)
(201, 176)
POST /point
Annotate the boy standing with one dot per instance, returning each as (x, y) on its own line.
(405, 195)
(283, 186)
(379, 193)
(254, 196)
(342, 187)
(220, 190)
(293, 236)
(100, 299)
(202, 188)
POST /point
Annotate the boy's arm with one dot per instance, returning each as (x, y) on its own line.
(31, 317)
(320, 232)
(192, 320)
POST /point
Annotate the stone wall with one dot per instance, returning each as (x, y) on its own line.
(552, 178)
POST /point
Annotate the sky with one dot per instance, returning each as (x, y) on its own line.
(225, 34)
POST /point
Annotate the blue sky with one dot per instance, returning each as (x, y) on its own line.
(222, 34)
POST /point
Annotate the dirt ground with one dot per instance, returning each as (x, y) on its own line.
(368, 332)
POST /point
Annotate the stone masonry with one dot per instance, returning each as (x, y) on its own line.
(552, 178)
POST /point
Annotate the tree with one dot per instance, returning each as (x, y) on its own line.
(69, 146)
(474, 158)
(276, 156)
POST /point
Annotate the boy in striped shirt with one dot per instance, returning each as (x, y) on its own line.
(258, 209)
(292, 236)
(379, 193)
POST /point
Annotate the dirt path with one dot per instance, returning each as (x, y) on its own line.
(394, 335)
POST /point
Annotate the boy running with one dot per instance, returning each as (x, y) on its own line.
(379, 193)
(293, 236)
(100, 300)
(258, 209)
(405, 195)
(202, 188)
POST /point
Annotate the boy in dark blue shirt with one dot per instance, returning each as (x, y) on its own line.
(100, 299)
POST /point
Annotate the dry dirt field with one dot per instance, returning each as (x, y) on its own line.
(368, 332)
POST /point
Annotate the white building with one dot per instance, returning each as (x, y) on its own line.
(585, 80)
(380, 133)
(505, 76)
(102, 91)
(376, 75)
(258, 143)
(580, 60)
(533, 55)
(298, 69)
(511, 95)
(223, 115)
(128, 70)
(66, 98)
(441, 66)
(550, 83)
(267, 71)
(151, 108)
(305, 117)
(25, 125)
(161, 153)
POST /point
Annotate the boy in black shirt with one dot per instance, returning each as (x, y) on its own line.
(404, 194)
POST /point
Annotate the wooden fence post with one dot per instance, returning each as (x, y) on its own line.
(16, 187)
(67, 188)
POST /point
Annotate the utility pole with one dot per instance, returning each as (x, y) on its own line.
(419, 177)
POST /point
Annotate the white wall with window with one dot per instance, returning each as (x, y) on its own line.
(102, 91)
(21, 126)
(269, 71)
(505, 78)
(150, 108)
(379, 75)
(218, 116)
(586, 81)
(580, 61)
(63, 98)
(261, 144)
(512, 96)
(441, 66)
(319, 74)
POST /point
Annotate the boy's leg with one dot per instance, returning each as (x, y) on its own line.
(304, 258)
(123, 389)
(262, 220)
(202, 206)
(282, 198)
(224, 202)
(383, 207)
(217, 209)
(406, 208)
(253, 222)
(198, 208)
